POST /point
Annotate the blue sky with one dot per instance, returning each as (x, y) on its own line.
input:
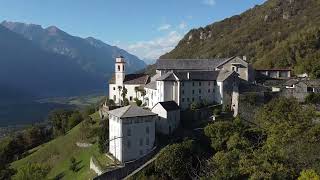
(146, 28)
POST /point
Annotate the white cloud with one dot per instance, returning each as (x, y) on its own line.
(153, 49)
(164, 27)
(209, 2)
(183, 25)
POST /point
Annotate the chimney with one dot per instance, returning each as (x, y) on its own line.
(188, 75)
(244, 58)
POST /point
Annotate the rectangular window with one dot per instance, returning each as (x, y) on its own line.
(192, 91)
(128, 144)
(118, 67)
(188, 99)
(147, 129)
(215, 83)
(130, 98)
(199, 83)
(182, 91)
(192, 83)
(208, 90)
(182, 99)
(192, 99)
(141, 141)
(209, 83)
(129, 132)
(199, 91)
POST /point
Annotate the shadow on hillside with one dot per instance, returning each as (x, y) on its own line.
(59, 176)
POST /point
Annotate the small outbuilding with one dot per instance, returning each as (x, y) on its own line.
(131, 132)
(168, 116)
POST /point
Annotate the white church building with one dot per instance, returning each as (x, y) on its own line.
(184, 81)
(177, 84)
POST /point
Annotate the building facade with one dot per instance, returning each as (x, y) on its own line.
(121, 81)
(168, 117)
(131, 132)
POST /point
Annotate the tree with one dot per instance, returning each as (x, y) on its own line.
(31, 172)
(143, 93)
(175, 159)
(74, 119)
(73, 164)
(136, 89)
(309, 174)
(313, 98)
(194, 106)
(138, 102)
(126, 102)
(103, 136)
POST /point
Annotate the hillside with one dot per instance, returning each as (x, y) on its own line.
(57, 153)
(278, 33)
(92, 55)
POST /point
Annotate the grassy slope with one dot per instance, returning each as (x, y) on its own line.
(57, 154)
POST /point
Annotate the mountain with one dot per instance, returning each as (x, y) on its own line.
(278, 33)
(92, 55)
(30, 71)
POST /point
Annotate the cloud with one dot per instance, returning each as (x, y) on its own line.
(183, 25)
(164, 27)
(153, 49)
(209, 2)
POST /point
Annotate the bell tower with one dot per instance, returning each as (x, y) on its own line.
(120, 70)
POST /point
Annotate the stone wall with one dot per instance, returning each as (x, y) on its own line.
(196, 115)
(94, 166)
(250, 102)
(127, 168)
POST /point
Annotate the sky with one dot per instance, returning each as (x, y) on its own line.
(146, 28)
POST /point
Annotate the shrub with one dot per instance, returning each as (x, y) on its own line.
(73, 164)
(194, 106)
(138, 102)
(216, 111)
(313, 98)
(126, 102)
(32, 171)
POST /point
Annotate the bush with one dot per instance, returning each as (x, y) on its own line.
(110, 102)
(32, 171)
(73, 164)
(138, 102)
(194, 106)
(126, 102)
(217, 111)
(313, 98)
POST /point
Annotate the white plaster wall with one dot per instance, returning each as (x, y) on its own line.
(138, 127)
(219, 93)
(152, 96)
(189, 92)
(131, 91)
(161, 122)
(166, 120)
(160, 89)
(115, 137)
(113, 91)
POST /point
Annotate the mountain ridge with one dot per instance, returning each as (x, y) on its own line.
(270, 35)
(92, 54)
